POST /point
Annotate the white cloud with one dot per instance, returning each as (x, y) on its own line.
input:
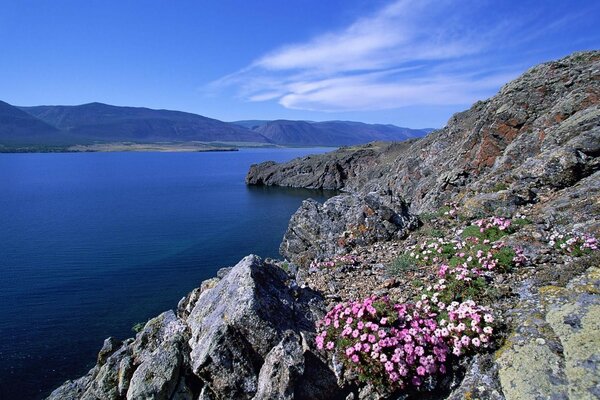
(405, 54)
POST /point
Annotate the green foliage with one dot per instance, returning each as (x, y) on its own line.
(461, 290)
(492, 234)
(417, 283)
(432, 232)
(138, 327)
(499, 187)
(427, 216)
(519, 222)
(401, 265)
(505, 257)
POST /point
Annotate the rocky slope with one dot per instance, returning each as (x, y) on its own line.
(245, 334)
(540, 133)
(530, 151)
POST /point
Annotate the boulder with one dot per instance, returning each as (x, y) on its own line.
(245, 333)
(323, 230)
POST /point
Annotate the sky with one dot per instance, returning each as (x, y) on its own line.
(408, 63)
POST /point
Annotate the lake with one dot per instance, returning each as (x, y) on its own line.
(93, 243)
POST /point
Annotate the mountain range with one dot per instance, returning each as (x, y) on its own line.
(102, 123)
(329, 133)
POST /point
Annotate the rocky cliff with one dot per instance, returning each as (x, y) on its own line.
(539, 134)
(529, 154)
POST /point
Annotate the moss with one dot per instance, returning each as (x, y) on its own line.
(508, 343)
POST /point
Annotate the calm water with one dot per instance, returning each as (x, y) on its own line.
(91, 244)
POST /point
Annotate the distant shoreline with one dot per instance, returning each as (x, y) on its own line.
(122, 147)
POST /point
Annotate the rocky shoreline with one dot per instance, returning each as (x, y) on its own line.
(530, 153)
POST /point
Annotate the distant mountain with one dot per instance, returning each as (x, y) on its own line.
(251, 123)
(332, 133)
(18, 127)
(103, 122)
(59, 126)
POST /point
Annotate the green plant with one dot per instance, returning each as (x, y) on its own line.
(519, 222)
(401, 265)
(499, 187)
(138, 327)
(505, 259)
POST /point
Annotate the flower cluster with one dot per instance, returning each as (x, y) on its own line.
(467, 263)
(469, 327)
(388, 344)
(573, 243)
(472, 253)
(450, 210)
(336, 261)
(492, 228)
(403, 344)
(498, 222)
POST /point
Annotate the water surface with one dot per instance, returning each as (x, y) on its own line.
(92, 243)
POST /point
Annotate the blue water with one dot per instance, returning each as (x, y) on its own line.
(91, 244)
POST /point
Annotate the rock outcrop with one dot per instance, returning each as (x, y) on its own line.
(348, 220)
(540, 133)
(243, 336)
(345, 168)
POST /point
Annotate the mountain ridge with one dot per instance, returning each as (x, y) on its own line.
(52, 126)
(331, 133)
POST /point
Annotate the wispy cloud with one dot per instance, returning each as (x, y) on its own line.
(407, 53)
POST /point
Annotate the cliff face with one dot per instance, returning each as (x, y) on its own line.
(540, 130)
(539, 134)
(249, 333)
(346, 168)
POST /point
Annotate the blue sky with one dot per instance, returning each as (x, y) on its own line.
(410, 63)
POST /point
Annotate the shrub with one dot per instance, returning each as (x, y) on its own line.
(573, 243)
(499, 187)
(491, 229)
(401, 265)
(138, 327)
(400, 345)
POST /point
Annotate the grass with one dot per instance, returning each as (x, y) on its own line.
(401, 266)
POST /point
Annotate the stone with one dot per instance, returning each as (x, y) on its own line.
(342, 222)
(241, 321)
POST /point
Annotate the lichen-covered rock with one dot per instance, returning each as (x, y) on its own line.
(556, 343)
(322, 230)
(282, 368)
(237, 325)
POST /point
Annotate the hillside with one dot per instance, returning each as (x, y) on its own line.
(18, 127)
(105, 122)
(449, 266)
(91, 123)
(333, 133)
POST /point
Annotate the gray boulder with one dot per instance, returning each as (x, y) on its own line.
(323, 230)
(242, 329)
